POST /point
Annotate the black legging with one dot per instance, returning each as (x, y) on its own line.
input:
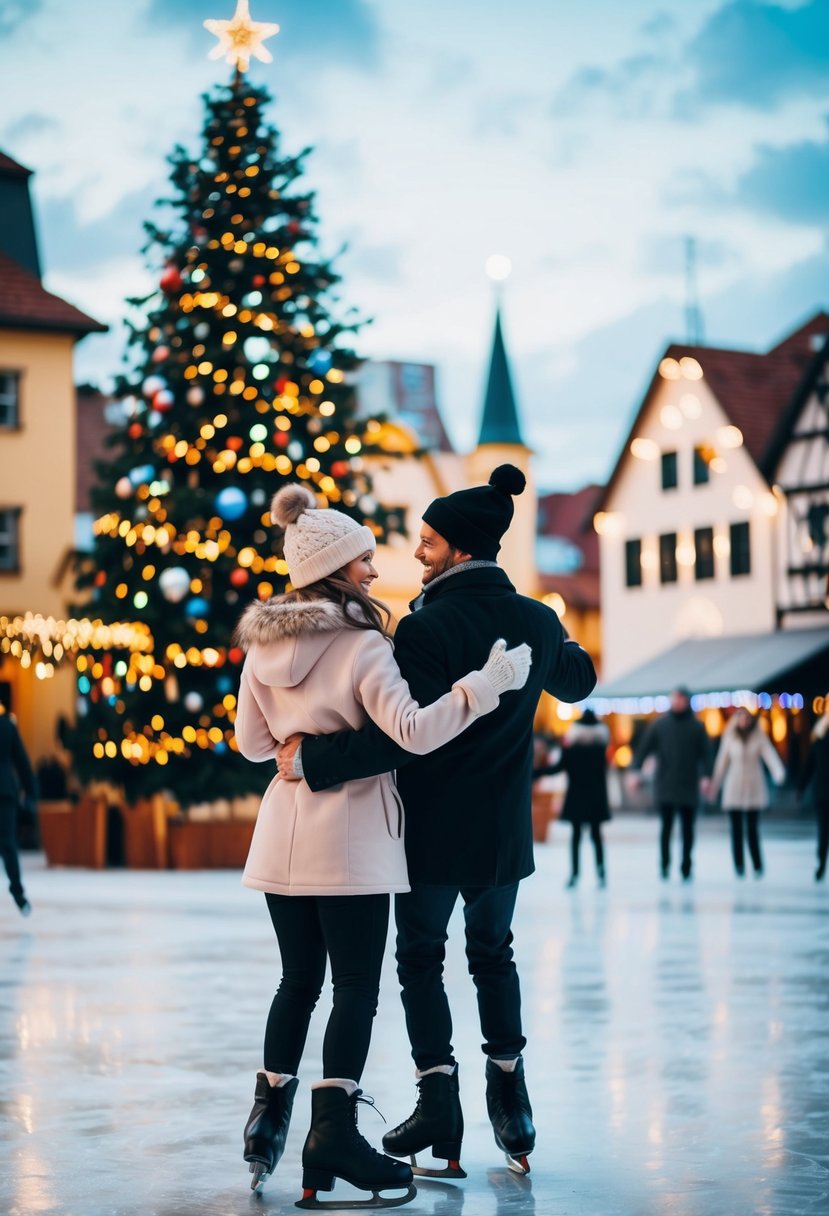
(8, 847)
(822, 811)
(350, 930)
(575, 844)
(686, 814)
(752, 832)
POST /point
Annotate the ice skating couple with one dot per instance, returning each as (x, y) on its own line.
(449, 705)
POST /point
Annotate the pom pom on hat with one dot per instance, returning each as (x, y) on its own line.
(508, 479)
(289, 503)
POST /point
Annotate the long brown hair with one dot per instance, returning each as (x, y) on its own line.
(360, 611)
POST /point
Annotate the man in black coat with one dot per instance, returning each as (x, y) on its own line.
(468, 809)
(679, 742)
(15, 774)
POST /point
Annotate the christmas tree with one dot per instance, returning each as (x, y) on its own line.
(238, 384)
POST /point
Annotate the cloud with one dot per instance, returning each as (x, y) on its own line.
(630, 87)
(791, 183)
(70, 244)
(29, 126)
(333, 31)
(665, 253)
(758, 54)
(13, 13)
(382, 263)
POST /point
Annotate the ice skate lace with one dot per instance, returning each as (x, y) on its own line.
(366, 1100)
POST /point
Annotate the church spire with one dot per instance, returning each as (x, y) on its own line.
(499, 421)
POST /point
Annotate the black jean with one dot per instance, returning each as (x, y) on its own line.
(8, 847)
(350, 930)
(575, 844)
(422, 917)
(668, 811)
(751, 819)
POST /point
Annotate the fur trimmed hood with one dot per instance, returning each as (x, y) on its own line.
(286, 639)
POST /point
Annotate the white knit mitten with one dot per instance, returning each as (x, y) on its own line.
(507, 669)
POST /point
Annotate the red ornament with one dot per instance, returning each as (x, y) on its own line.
(234, 442)
(280, 384)
(163, 400)
(293, 226)
(100, 578)
(135, 430)
(281, 439)
(171, 279)
(239, 577)
(235, 655)
(259, 280)
(339, 468)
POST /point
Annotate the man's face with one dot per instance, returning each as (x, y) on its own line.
(436, 554)
(679, 702)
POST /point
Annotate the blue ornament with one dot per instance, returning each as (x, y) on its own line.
(320, 361)
(220, 747)
(224, 684)
(196, 607)
(141, 474)
(231, 503)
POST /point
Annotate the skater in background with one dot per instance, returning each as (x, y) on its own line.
(746, 752)
(16, 778)
(816, 775)
(468, 814)
(584, 759)
(320, 658)
(679, 743)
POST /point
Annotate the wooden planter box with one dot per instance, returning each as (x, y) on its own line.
(545, 810)
(74, 834)
(145, 834)
(212, 844)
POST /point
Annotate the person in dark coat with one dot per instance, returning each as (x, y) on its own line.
(680, 745)
(816, 775)
(15, 776)
(584, 759)
(468, 826)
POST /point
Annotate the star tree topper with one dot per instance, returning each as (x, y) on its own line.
(240, 37)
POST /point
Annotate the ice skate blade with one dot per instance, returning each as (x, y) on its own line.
(452, 1169)
(519, 1164)
(261, 1173)
(310, 1203)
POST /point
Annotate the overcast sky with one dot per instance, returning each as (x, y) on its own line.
(583, 139)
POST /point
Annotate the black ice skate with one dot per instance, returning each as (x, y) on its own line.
(510, 1113)
(267, 1127)
(436, 1123)
(334, 1148)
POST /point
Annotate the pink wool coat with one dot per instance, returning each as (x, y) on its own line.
(307, 671)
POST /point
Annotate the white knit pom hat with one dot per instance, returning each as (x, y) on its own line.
(317, 541)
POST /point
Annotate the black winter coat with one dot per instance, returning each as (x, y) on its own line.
(683, 755)
(816, 770)
(584, 760)
(468, 818)
(15, 769)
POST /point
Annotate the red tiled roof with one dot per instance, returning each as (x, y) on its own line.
(754, 390)
(569, 516)
(12, 168)
(579, 590)
(26, 304)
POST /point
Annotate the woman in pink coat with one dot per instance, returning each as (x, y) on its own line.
(320, 659)
(745, 753)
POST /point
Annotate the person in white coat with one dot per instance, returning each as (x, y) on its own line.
(745, 753)
(320, 659)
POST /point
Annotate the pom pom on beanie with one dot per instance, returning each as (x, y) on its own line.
(508, 479)
(288, 504)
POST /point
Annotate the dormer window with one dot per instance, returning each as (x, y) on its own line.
(670, 471)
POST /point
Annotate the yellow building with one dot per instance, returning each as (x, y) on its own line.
(38, 332)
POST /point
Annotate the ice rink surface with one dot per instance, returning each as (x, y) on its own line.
(678, 1057)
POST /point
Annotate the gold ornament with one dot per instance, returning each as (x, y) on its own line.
(240, 38)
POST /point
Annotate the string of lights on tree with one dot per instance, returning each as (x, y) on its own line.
(241, 379)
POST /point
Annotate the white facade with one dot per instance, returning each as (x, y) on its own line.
(681, 414)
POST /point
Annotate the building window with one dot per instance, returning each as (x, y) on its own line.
(703, 553)
(670, 472)
(9, 538)
(702, 471)
(667, 557)
(740, 549)
(9, 400)
(633, 563)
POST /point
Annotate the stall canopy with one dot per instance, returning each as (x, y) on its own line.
(753, 662)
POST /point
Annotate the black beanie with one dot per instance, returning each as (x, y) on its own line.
(475, 520)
